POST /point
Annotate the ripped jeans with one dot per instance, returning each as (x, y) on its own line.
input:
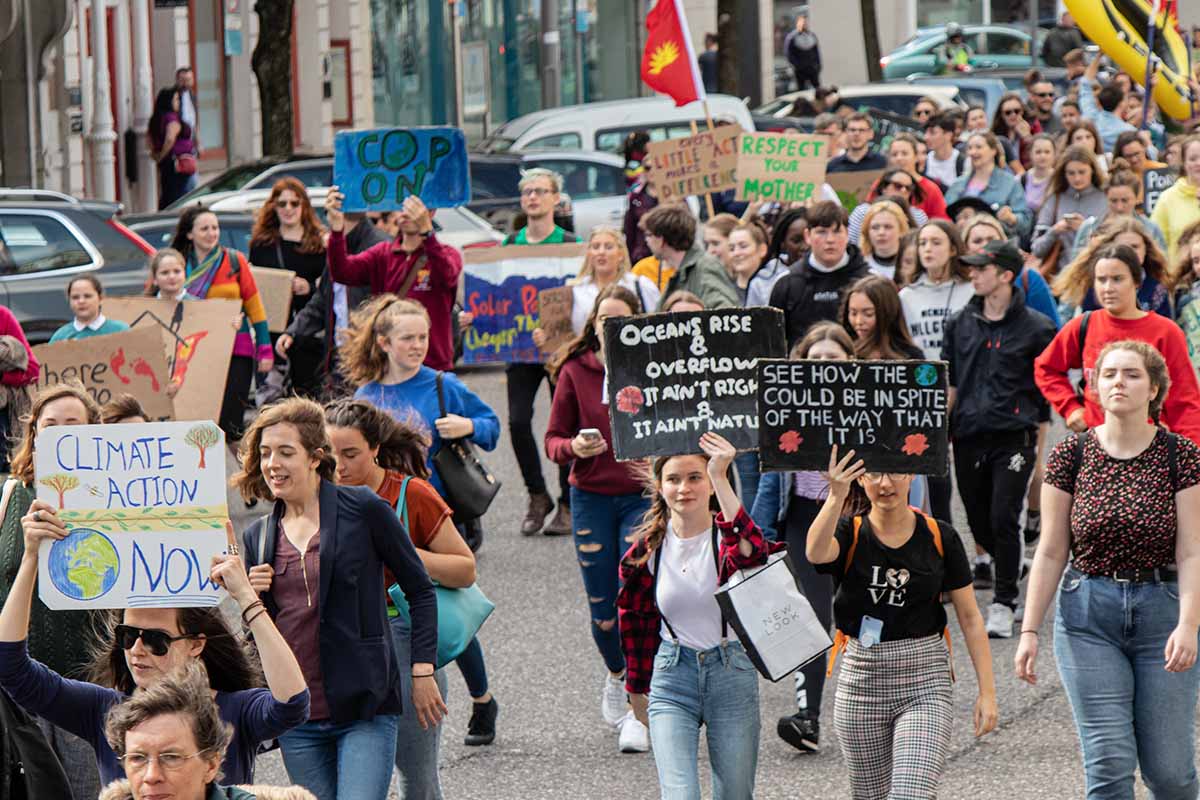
(602, 525)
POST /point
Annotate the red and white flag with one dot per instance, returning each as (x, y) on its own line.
(669, 62)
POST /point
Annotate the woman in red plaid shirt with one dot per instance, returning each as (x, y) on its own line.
(682, 669)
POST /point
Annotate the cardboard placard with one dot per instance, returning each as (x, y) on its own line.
(893, 414)
(275, 289)
(145, 507)
(377, 169)
(501, 287)
(554, 316)
(703, 163)
(781, 167)
(853, 187)
(129, 362)
(887, 125)
(198, 339)
(1155, 182)
(672, 377)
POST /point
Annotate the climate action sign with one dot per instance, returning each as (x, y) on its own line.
(145, 507)
(703, 163)
(378, 169)
(778, 167)
(672, 377)
(891, 413)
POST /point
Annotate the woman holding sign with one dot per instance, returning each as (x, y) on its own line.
(894, 706)
(606, 496)
(684, 671)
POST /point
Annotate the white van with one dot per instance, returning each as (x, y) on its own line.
(604, 126)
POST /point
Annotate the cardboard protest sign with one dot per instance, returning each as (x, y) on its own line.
(672, 377)
(853, 187)
(893, 414)
(501, 287)
(145, 507)
(377, 169)
(699, 164)
(554, 316)
(887, 125)
(129, 362)
(275, 289)
(198, 339)
(780, 167)
(1157, 181)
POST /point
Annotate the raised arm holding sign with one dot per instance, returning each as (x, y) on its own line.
(378, 169)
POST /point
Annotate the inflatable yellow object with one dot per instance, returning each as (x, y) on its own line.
(1119, 27)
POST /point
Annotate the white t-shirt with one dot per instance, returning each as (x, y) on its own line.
(944, 172)
(584, 294)
(686, 590)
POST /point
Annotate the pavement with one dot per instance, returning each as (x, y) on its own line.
(546, 675)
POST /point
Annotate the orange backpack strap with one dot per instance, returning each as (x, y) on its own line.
(853, 545)
(840, 639)
(936, 532)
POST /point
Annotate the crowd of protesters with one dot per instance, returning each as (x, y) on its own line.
(976, 243)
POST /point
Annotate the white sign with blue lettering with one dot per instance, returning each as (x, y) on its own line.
(146, 508)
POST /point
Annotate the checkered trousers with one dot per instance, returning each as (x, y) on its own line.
(893, 717)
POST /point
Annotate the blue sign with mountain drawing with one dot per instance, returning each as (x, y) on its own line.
(377, 169)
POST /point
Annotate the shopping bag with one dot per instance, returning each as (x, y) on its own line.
(772, 618)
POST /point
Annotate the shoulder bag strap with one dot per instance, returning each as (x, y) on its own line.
(411, 277)
(1173, 460)
(716, 549)
(1080, 443)
(10, 486)
(654, 589)
(441, 395)
(279, 253)
(853, 545)
(402, 504)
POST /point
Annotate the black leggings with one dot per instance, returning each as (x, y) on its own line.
(941, 490)
(810, 680)
(522, 382)
(237, 397)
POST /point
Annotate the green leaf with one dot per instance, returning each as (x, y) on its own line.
(172, 513)
(144, 527)
(106, 527)
(184, 526)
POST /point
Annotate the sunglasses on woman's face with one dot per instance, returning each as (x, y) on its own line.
(1008, 112)
(288, 203)
(156, 641)
(904, 187)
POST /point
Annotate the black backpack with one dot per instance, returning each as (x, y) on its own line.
(29, 767)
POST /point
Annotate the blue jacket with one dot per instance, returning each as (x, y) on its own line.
(1037, 295)
(1108, 124)
(415, 402)
(360, 535)
(1003, 189)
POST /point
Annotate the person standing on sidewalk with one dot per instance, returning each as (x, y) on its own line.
(804, 54)
(990, 346)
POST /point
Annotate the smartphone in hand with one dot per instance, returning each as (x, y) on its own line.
(591, 434)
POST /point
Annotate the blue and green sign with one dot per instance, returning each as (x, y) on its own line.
(377, 169)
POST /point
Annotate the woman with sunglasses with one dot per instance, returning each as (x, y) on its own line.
(904, 152)
(141, 646)
(897, 185)
(1012, 122)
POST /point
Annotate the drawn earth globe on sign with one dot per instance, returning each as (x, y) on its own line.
(84, 565)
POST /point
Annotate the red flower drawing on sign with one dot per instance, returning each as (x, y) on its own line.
(630, 400)
(790, 441)
(915, 444)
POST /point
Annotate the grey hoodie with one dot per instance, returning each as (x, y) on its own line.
(1091, 202)
(927, 306)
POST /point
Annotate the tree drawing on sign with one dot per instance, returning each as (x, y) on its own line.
(60, 483)
(202, 437)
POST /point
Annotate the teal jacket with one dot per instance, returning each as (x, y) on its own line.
(67, 332)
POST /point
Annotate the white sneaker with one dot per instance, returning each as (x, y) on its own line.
(999, 621)
(614, 704)
(635, 738)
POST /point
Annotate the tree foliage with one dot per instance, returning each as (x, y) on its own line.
(61, 483)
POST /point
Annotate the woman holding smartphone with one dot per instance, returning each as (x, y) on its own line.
(606, 496)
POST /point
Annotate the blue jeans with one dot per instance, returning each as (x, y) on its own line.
(718, 689)
(1109, 639)
(416, 747)
(602, 525)
(746, 465)
(342, 761)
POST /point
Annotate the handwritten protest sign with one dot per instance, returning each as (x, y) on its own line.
(853, 187)
(887, 125)
(145, 507)
(198, 339)
(554, 316)
(699, 164)
(891, 413)
(672, 377)
(1156, 181)
(780, 167)
(501, 287)
(275, 289)
(377, 169)
(129, 362)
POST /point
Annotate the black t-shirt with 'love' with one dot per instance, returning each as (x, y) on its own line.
(899, 586)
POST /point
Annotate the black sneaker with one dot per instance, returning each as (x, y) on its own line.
(481, 729)
(983, 575)
(801, 730)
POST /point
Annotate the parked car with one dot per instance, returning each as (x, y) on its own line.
(973, 88)
(604, 126)
(45, 241)
(898, 98)
(159, 228)
(315, 170)
(593, 182)
(994, 47)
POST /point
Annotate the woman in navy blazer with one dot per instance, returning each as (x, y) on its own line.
(318, 561)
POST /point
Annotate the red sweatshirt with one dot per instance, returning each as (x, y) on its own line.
(384, 268)
(10, 327)
(1181, 411)
(576, 406)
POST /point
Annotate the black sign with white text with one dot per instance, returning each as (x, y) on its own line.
(672, 377)
(893, 414)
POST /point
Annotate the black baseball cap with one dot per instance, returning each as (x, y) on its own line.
(1004, 254)
(980, 206)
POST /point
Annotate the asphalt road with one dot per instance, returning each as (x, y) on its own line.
(546, 675)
